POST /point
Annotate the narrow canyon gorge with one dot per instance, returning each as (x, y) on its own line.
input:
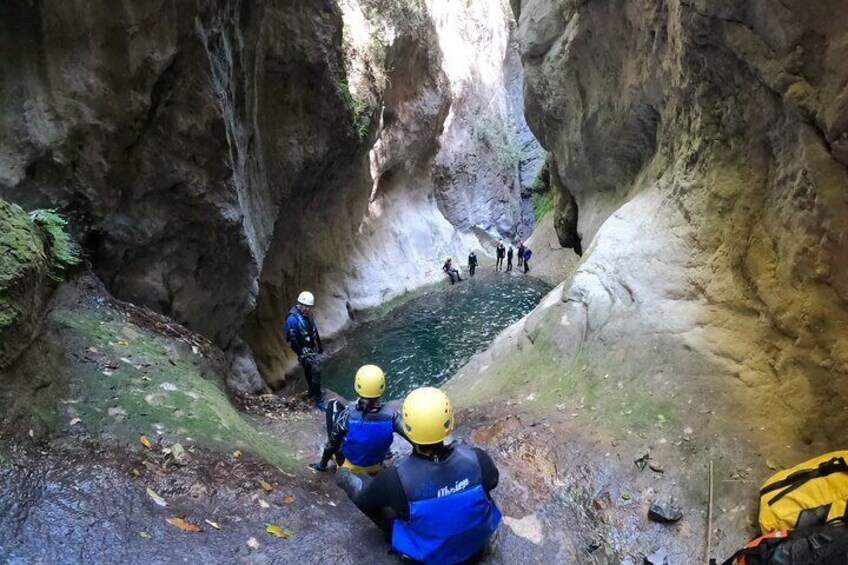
(174, 174)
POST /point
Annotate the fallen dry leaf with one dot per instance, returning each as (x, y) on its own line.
(144, 534)
(236, 453)
(183, 525)
(145, 442)
(264, 504)
(122, 343)
(155, 497)
(288, 499)
(266, 486)
(276, 530)
(75, 421)
(213, 524)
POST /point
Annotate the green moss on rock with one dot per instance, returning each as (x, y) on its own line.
(136, 382)
(24, 269)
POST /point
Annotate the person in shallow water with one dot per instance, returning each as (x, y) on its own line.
(509, 259)
(500, 252)
(360, 434)
(451, 271)
(434, 505)
(527, 255)
(472, 263)
(302, 335)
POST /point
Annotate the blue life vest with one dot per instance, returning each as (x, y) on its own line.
(454, 519)
(527, 255)
(369, 436)
(302, 327)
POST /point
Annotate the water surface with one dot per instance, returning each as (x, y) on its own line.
(425, 340)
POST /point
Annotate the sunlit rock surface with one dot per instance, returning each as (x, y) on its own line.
(220, 158)
(704, 146)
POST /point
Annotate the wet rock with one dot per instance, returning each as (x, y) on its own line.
(244, 375)
(659, 557)
(665, 512)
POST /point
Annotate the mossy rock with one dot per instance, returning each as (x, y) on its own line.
(24, 281)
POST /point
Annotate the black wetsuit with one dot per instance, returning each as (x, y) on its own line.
(527, 255)
(302, 335)
(509, 260)
(472, 263)
(338, 416)
(520, 254)
(451, 271)
(500, 252)
(386, 498)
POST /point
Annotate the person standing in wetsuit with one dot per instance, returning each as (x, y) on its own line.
(434, 505)
(472, 263)
(360, 434)
(521, 248)
(527, 255)
(500, 252)
(509, 259)
(302, 335)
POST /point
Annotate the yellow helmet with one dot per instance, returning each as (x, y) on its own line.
(427, 416)
(370, 381)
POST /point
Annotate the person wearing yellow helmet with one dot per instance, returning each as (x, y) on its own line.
(360, 434)
(451, 271)
(434, 505)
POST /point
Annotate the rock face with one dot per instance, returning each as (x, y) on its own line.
(703, 145)
(24, 281)
(221, 158)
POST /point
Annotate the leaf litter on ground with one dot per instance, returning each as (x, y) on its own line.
(276, 530)
(155, 497)
(183, 524)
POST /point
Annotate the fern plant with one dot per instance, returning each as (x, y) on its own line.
(64, 252)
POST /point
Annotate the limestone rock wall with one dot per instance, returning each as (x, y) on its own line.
(217, 158)
(704, 146)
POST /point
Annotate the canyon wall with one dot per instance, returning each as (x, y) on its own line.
(700, 152)
(217, 159)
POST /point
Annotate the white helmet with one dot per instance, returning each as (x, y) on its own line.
(306, 298)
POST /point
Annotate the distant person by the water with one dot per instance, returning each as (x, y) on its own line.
(302, 335)
(527, 255)
(500, 253)
(451, 271)
(472, 263)
(509, 259)
(521, 248)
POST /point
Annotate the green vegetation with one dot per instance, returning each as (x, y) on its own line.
(21, 255)
(64, 252)
(360, 109)
(543, 203)
(137, 382)
(588, 384)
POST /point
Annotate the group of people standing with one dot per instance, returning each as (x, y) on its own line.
(501, 252)
(434, 505)
(524, 255)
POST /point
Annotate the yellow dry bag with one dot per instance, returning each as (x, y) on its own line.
(808, 494)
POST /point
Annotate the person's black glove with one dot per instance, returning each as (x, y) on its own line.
(319, 467)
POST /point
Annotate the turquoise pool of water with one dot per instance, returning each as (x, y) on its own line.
(425, 340)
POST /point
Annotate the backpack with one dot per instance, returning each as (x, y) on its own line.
(818, 545)
(812, 493)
